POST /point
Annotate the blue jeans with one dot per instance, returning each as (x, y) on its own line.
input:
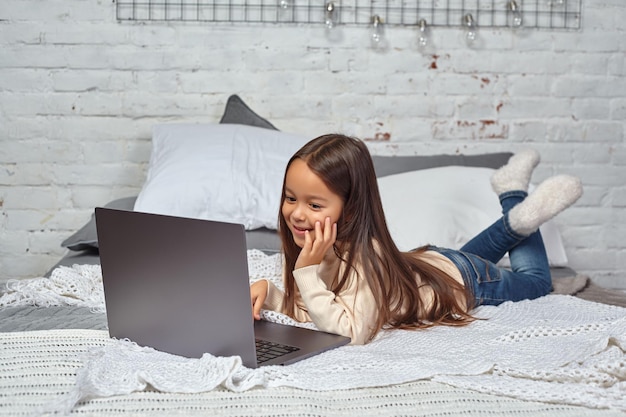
(529, 276)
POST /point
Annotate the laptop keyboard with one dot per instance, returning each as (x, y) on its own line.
(266, 350)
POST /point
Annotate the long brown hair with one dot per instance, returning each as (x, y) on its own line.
(345, 165)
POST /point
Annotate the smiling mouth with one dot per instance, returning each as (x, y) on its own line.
(299, 230)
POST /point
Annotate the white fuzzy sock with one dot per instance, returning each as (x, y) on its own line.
(549, 199)
(515, 175)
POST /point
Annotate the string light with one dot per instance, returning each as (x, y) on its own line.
(377, 30)
(424, 30)
(516, 15)
(470, 28)
(330, 15)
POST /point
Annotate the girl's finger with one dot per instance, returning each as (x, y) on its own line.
(308, 243)
(319, 234)
(328, 230)
(256, 310)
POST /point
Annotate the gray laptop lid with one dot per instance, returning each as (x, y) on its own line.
(181, 286)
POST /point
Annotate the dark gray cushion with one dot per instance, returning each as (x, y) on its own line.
(238, 112)
(87, 237)
(389, 165)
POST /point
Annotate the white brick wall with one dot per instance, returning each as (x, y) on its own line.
(79, 93)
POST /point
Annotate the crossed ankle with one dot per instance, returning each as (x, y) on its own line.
(549, 199)
(515, 175)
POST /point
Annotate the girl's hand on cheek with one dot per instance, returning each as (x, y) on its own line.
(317, 243)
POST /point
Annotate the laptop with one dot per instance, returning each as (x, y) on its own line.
(181, 285)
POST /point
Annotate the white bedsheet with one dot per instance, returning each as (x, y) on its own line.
(38, 369)
(556, 349)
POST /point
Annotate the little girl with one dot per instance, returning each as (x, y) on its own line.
(344, 272)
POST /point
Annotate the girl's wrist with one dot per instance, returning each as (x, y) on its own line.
(301, 268)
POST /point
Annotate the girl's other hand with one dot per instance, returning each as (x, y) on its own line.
(258, 294)
(317, 243)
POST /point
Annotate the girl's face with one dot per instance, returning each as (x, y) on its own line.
(307, 201)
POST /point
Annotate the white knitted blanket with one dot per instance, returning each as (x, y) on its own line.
(556, 349)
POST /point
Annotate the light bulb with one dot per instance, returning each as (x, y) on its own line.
(556, 2)
(284, 4)
(422, 40)
(470, 28)
(330, 15)
(516, 15)
(377, 30)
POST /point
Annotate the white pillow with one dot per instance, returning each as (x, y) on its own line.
(447, 207)
(224, 172)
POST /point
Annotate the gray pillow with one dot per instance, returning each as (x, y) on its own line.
(389, 165)
(87, 237)
(238, 112)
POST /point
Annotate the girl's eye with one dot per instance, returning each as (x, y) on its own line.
(290, 199)
(315, 206)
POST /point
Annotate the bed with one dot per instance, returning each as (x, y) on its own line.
(561, 355)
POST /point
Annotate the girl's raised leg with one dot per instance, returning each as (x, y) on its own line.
(517, 232)
(510, 183)
(523, 215)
